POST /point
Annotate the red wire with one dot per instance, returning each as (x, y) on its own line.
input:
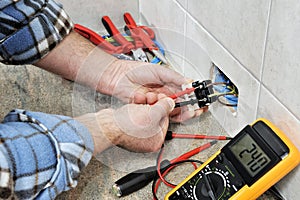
(167, 171)
(192, 152)
(180, 158)
(159, 172)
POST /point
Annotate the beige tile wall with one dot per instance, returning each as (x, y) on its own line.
(89, 13)
(255, 43)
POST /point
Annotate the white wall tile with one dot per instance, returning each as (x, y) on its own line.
(197, 62)
(247, 84)
(281, 72)
(89, 13)
(238, 25)
(271, 109)
(183, 3)
(168, 21)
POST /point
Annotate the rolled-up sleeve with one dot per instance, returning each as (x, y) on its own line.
(41, 155)
(30, 29)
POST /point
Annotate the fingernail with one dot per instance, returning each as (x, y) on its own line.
(171, 103)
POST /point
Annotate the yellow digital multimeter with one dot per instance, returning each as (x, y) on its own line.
(254, 160)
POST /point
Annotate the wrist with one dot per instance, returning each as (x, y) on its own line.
(102, 129)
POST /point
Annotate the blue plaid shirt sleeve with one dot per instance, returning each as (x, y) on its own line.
(30, 29)
(41, 155)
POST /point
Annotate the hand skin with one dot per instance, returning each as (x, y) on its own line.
(77, 59)
(135, 127)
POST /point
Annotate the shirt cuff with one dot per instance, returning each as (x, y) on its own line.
(45, 24)
(44, 152)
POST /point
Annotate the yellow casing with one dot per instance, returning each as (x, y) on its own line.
(265, 182)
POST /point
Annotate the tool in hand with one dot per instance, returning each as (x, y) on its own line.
(96, 39)
(127, 46)
(143, 37)
(201, 94)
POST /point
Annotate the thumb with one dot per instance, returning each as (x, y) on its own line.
(162, 108)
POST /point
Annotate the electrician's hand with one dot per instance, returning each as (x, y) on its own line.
(135, 127)
(139, 82)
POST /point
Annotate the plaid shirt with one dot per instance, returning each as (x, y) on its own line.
(41, 155)
(30, 29)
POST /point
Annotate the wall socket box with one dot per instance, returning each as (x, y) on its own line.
(227, 91)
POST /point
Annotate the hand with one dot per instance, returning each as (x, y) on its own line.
(139, 82)
(135, 127)
(77, 59)
(142, 83)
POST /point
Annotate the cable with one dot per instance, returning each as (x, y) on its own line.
(158, 162)
(224, 103)
(217, 83)
(177, 160)
(156, 181)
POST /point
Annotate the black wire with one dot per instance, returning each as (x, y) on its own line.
(172, 164)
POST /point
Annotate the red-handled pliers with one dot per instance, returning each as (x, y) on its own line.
(144, 35)
(127, 46)
(96, 39)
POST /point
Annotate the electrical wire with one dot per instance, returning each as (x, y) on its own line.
(156, 182)
(232, 91)
(225, 103)
(183, 158)
(217, 83)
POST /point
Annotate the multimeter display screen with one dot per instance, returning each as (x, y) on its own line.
(250, 155)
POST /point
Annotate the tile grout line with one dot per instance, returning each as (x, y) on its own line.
(263, 58)
(185, 29)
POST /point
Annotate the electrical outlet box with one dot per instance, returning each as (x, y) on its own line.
(228, 91)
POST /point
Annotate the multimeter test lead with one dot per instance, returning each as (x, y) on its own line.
(173, 163)
(170, 135)
(140, 178)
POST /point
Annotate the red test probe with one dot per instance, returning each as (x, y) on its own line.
(170, 135)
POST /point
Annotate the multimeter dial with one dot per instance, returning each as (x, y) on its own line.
(217, 180)
(218, 184)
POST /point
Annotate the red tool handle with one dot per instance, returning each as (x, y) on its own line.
(129, 20)
(88, 34)
(149, 31)
(137, 32)
(115, 33)
(96, 39)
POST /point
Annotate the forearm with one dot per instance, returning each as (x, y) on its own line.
(77, 59)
